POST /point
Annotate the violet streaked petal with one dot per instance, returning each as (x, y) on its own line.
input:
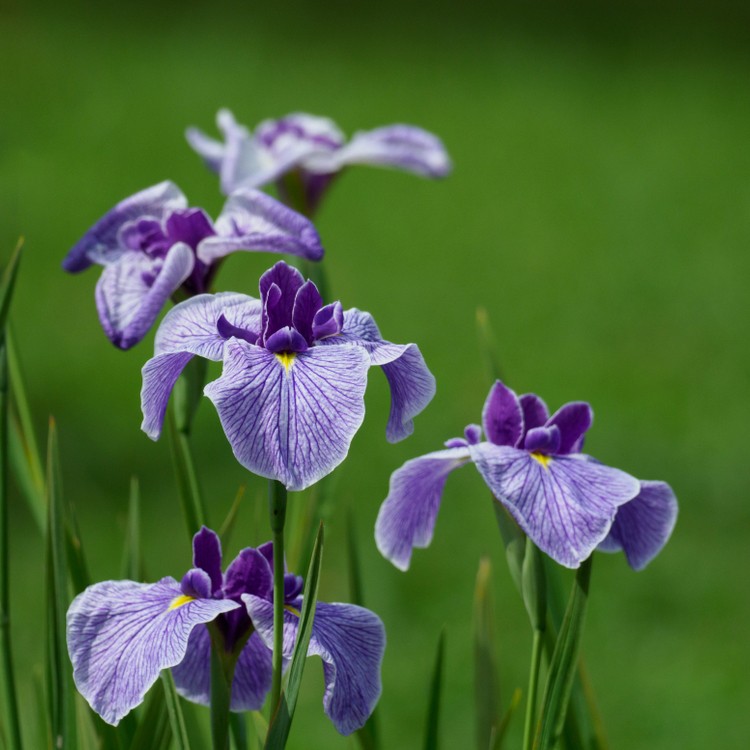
(252, 675)
(544, 440)
(209, 149)
(278, 289)
(350, 640)
(566, 504)
(643, 526)
(227, 330)
(249, 573)
(572, 419)
(329, 321)
(412, 384)
(502, 417)
(121, 634)
(131, 292)
(473, 434)
(307, 303)
(207, 556)
(290, 418)
(456, 443)
(287, 340)
(407, 516)
(190, 226)
(401, 146)
(187, 329)
(196, 583)
(254, 221)
(535, 412)
(100, 244)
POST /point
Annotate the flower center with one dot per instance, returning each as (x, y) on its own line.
(286, 359)
(543, 459)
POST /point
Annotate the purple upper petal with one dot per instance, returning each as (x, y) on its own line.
(572, 420)
(350, 640)
(307, 303)
(565, 504)
(101, 243)
(188, 329)
(535, 413)
(502, 417)
(252, 674)
(643, 526)
(249, 573)
(402, 146)
(121, 634)
(251, 220)
(131, 292)
(543, 440)
(278, 290)
(328, 321)
(290, 418)
(207, 556)
(407, 516)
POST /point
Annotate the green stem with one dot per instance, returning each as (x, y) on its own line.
(8, 680)
(277, 508)
(223, 663)
(536, 661)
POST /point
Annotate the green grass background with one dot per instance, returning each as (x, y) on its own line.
(599, 210)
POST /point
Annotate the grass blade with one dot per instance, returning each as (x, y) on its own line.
(230, 521)
(564, 664)
(239, 731)
(498, 735)
(431, 739)
(488, 345)
(187, 480)
(61, 688)
(486, 686)
(176, 720)
(282, 720)
(154, 731)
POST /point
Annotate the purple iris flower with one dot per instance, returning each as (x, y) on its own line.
(152, 246)
(315, 149)
(291, 394)
(121, 634)
(565, 501)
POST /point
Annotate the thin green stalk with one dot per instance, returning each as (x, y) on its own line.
(536, 661)
(277, 509)
(6, 660)
(223, 663)
(187, 480)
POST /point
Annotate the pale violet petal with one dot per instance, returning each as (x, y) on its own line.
(101, 243)
(350, 640)
(254, 221)
(407, 516)
(121, 634)
(290, 417)
(566, 504)
(132, 291)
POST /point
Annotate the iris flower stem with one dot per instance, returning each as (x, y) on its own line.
(277, 508)
(531, 697)
(223, 663)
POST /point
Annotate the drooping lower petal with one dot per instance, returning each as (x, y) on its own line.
(290, 417)
(121, 634)
(131, 292)
(643, 526)
(407, 516)
(100, 244)
(412, 384)
(566, 504)
(252, 675)
(401, 146)
(254, 221)
(350, 640)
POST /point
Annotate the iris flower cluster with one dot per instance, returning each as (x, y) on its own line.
(290, 398)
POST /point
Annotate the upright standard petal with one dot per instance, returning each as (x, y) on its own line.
(401, 146)
(189, 329)
(131, 292)
(350, 640)
(121, 634)
(643, 526)
(252, 675)
(251, 220)
(100, 244)
(502, 416)
(573, 420)
(566, 504)
(412, 384)
(407, 516)
(290, 417)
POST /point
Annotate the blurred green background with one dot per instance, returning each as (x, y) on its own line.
(599, 210)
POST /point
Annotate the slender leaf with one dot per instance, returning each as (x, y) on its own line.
(498, 735)
(7, 678)
(486, 685)
(154, 730)
(432, 730)
(514, 541)
(61, 689)
(230, 521)
(239, 731)
(259, 728)
(564, 664)
(176, 720)
(8, 283)
(188, 393)
(187, 481)
(281, 722)
(488, 345)
(368, 734)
